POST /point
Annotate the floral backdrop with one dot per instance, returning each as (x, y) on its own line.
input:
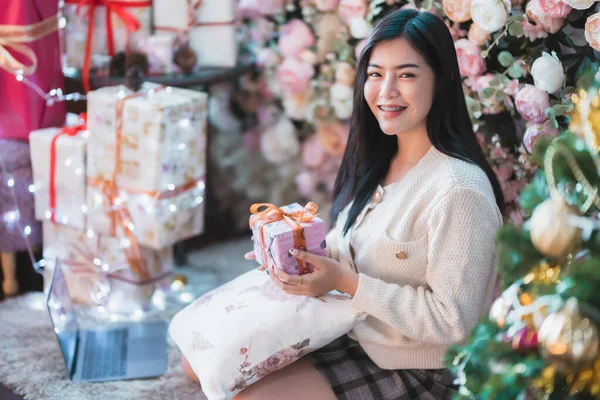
(518, 61)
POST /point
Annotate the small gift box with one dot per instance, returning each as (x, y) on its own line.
(160, 49)
(146, 163)
(104, 270)
(96, 30)
(277, 230)
(203, 23)
(58, 163)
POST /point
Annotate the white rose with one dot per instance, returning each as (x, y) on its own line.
(279, 142)
(360, 28)
(548, 73)
(579, 4)
(296, 105)
(490, 15)
(341, 100)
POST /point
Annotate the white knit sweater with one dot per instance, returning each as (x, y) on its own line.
(424, 250)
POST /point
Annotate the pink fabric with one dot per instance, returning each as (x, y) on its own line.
(22, 109)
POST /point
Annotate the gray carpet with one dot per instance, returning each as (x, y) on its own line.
(31, 365)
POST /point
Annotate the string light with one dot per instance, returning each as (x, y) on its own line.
(54, 95)
(11, 182)
(31, 188)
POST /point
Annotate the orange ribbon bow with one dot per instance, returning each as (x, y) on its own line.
(273, 214)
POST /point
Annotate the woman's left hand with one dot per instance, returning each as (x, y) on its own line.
(327, 275)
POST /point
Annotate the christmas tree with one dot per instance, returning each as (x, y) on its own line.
(541, 339)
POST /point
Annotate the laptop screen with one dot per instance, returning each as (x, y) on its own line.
(62, 315)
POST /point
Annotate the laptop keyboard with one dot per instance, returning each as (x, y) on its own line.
(105, 354)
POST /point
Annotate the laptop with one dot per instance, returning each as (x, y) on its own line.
(107, 353)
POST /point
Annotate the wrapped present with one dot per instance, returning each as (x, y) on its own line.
(159, 49)
(29, 43)
(58, 163)
(277, 230)
(98, 29)
(146, 163)
(203, 23)
(99, 270)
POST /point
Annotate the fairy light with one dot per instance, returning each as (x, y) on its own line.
(171, 187)
(172, 208)
(84, 209)
(31, 188)
(48, 214)
(90, 233)
(181, 146)
(68, 162)
(97, 261)
(11, 217)
(200, 185)
(10, 182)
(27, 230)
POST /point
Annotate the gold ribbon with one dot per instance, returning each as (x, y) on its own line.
(271, 214)
(13, 37)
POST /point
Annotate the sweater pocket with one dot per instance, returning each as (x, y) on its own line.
(403, 263)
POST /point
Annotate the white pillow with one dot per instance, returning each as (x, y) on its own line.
(242, 331)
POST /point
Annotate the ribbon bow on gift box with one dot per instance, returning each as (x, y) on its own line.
(119, 8)
(13, 36)
(272, 213)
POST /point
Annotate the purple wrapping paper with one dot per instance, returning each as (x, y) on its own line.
(279, 239)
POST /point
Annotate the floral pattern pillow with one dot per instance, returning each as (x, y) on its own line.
(248, 328)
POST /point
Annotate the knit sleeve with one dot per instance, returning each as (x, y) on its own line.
(460, 264)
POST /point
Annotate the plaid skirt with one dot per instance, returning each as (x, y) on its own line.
(353, 376)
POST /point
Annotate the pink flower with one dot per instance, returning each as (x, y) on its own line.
(535, 131)
(511, 190)
(327, 5)
(555, 8)
(592, 31)
(260, 7)
(359, 48)
(457, 10)
(481, 139)
(295, 37)
(512, 88)
(313, 154)
(477, 35)
(531, 103)
(516, 217)
(533, 32)
(333, 137)
(545, 21)
(455, 30)
(352, 8)
(266, 57)
(306, 184)
(498, 153)
(469, 57)
(294, 75)
(276, 362)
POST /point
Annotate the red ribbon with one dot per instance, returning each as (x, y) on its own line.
(66, 131)
(119, 7)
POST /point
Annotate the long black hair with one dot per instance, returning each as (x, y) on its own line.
(369, 151)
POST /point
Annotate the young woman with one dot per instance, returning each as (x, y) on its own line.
(416, 208)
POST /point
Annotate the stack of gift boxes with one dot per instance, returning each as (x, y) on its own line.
(118, 189)
(97, 30)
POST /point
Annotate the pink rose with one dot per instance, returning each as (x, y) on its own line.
(592, 31)
(457, 10)
(516, 217)
(313, 154)
(512, 88)
(333, 136)
(531, 103)
(545, 21)
(260, 7)
(478, 36)
(555, 8)
(326, 5)
(294, 75)
(352, 8)
(274, 363)
(533, 32)
(306, 184)
(535, 131)
(359, 48)
(470, 62)
(498, 153)
(295, 37)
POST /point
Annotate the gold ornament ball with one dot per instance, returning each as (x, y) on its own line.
(179, 281)
(551, 231)
(568, 339)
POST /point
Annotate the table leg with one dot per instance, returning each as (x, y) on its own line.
(10, 285)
